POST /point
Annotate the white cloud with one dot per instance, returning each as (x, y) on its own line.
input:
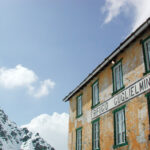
(113, 8)
(139, 9)
(16, 77)
(21, 76)
(43, 90)
(53, 128)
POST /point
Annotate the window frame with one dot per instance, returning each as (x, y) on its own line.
(148, 105)
(114, 112)
(144, 53)
(94, 122)
(113, 77)
(77, 130)
(77, 106)
(94, 105)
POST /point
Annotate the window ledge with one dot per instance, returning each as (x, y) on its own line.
(79, 115)
(95, 105)
(145, 73)
(115, 92)
(120, 145)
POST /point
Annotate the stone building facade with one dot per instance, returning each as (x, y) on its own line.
(110, 109)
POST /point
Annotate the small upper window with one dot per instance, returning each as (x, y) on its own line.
(79, 106)
(146, 46)
(117, 77)
(95, 93)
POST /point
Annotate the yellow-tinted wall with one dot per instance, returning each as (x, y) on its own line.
(136, 112)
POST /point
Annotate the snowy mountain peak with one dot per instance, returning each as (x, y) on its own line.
(15, 138)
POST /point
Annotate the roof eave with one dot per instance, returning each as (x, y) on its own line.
(110, 57)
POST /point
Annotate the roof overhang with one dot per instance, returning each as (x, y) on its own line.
(121, 47)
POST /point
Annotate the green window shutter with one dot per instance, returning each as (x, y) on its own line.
(146, 52)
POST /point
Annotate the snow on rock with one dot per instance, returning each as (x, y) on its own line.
(15, 138)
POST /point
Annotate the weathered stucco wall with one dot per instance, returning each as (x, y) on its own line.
(137, 122)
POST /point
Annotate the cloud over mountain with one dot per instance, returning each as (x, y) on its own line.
(53, 128)
(14, 138)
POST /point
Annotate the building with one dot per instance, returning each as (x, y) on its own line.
(110, 109)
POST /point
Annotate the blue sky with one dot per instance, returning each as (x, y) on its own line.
(62, 41)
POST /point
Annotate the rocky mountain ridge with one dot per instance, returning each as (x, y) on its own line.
(15, 138)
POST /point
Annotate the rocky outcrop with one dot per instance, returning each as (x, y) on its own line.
(15, 138)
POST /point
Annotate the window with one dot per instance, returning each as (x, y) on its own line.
(148, 104)
(146, 49)
(95, 93)
(95, 134)
(79, 139)
(117, 77)
(119, 127)
(79, 106)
